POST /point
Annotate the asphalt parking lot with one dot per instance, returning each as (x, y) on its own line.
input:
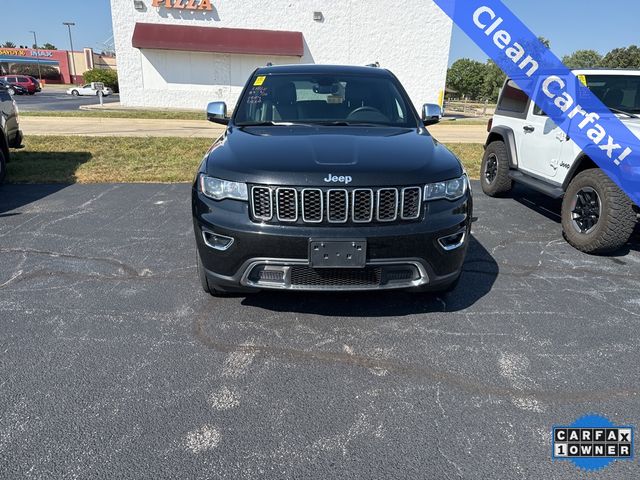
(57, 100)
(116, 365)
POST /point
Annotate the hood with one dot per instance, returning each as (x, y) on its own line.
(632, 124)
(306, 156)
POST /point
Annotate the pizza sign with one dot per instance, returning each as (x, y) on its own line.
(184, 4)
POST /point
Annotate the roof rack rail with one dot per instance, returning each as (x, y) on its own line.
(373, 65)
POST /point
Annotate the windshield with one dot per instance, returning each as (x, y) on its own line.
(618, 92)
(323, 99)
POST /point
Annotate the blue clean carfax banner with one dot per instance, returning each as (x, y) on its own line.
(554, 88)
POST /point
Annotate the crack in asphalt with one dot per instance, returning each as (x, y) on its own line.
(408, 369)
(128, 272)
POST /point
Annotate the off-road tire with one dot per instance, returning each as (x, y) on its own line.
(500, 183)
(617, 216)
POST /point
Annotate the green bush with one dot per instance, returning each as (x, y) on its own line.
(106, 76)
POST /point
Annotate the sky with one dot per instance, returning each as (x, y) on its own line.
(569, 24)
(92, 19)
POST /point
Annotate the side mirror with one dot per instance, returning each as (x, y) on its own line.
(217, 113)
(431, 114)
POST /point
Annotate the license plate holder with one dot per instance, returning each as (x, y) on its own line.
(337, 253)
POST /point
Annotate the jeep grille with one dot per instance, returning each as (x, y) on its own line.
(335, 205)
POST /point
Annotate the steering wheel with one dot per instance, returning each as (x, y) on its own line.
(364, 109)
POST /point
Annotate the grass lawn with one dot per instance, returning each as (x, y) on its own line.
(144, 114)
(471, 155)
(56, 159)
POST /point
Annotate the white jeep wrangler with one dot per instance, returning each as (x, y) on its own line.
(526, 146)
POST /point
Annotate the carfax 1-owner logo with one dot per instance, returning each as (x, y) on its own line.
(592, 442)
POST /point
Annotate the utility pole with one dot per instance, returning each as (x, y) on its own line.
(35, 41)
(73, 57)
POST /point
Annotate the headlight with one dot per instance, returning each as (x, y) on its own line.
(451, 189)
(221, 189)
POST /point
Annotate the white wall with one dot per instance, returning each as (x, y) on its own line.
(410, 37)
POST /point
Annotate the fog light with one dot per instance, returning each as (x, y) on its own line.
(451, 242)
(217, 241)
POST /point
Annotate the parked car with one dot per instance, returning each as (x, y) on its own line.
(31, 84)
(326, 179)
(525, 146)
(10, 133)
(14, 89)
(88, 89)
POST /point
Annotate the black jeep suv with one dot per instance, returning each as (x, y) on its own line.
(326, 179)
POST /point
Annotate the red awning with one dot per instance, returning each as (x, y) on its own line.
(218, 40)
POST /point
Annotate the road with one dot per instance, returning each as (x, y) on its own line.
(116, 365)
(57, 100)
(446, 132)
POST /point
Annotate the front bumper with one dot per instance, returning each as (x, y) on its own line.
(261, 256)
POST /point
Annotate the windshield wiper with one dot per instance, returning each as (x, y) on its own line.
(622, 112)
(271, 123)
(345, 123)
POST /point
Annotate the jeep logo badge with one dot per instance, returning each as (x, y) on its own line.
(338, 179)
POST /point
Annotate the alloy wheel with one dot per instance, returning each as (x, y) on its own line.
(586, 210)
(491, 169)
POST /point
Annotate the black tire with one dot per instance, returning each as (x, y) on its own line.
(17, 140)
(494, 172)
(208, 286)
(75, 93)
(597, 217)
(11, 91)
(3, 165)
(450, 287)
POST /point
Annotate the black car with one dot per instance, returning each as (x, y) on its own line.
(13, 88)
(326, 179)
(10, 133)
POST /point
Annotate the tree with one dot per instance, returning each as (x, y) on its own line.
(582, 59)
(107, 76)
(467, 77)
(48, 46)
(9, 45)
(545, 41)
(494, 79)
(628, 57)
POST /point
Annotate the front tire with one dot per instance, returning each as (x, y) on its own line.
(494, 172)
(3, 166)
(75, 93)
(597, 217)
(207, 285)
(11, 91)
